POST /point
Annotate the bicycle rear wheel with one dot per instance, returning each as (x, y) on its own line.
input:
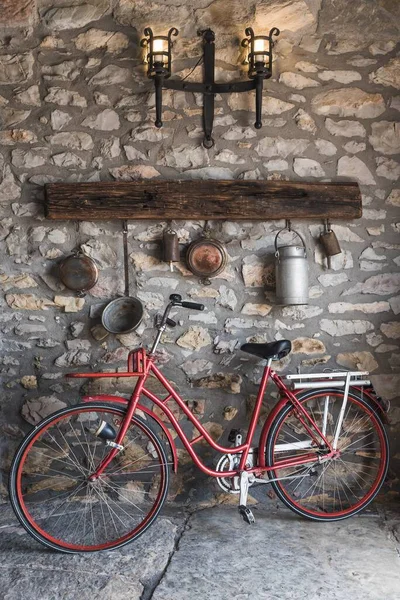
(56, 502)
(335, 488)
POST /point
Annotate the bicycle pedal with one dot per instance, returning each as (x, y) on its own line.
(247, 515)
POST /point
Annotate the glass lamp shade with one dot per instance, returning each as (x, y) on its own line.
(160, 50)
(260, 50)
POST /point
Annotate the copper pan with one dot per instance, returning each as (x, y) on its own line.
(206, 257)
(78, 272)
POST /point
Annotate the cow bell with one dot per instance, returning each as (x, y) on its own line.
(329, 241)
(171, 247)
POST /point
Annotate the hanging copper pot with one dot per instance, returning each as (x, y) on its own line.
(206, 257)
(78, 272)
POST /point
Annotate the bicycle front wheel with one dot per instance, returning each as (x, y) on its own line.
(51, 491)
(329, 489)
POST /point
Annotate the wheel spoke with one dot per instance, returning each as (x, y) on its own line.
(342, 484)
(122, 496)
(90, 515)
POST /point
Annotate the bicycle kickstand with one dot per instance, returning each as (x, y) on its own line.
(244, 510)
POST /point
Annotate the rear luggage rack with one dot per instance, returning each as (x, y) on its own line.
(339, 379)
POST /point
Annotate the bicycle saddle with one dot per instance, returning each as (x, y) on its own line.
(272, 350)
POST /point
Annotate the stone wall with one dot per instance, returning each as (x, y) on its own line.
(75, 105)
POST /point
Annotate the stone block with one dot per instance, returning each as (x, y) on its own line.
(17, 13)
(16, 68)
(362, 361)
(36, 409)
(75, 17)
(297, 81)
(348, 102)
(388, 75)
(385, 137)
(95, 39)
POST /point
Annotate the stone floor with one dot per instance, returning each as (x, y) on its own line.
(212, 554)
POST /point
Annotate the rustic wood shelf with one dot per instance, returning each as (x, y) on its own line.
(159, 199)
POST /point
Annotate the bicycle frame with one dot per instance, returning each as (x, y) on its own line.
(141, 364)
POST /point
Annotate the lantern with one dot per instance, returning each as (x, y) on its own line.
(259, 60)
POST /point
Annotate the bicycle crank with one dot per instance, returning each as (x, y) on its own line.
(244, 510)
(230, 462)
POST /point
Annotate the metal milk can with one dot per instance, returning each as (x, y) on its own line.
(291, 272)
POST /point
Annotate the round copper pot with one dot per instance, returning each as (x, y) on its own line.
(78, 272)
(206, 257)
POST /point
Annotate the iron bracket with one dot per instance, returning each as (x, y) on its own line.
(209, 89)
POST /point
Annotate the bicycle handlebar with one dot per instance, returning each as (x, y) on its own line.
(193, 305)
(161, 324)
(176, 300)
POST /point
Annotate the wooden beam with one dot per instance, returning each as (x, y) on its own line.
(159, 199)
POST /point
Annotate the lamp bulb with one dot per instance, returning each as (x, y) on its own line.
(259, 45)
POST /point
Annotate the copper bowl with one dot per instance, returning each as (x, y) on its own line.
(78, 272)
(206, 257)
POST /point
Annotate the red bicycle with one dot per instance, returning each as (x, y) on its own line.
(95, 476)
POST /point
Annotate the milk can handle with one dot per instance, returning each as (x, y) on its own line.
(292, 230)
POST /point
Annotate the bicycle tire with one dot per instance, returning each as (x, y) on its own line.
(66, 463)
(362, 475)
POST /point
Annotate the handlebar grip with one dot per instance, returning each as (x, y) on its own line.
(194, 305)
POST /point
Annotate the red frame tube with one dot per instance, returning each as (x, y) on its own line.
(147, 411)
(142, 365)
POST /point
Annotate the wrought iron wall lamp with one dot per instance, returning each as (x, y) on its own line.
(159, 58)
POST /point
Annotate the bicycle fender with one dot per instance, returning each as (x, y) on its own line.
(377, 402)
(118, 400)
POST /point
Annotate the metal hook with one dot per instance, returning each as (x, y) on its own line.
(288, 224)
(205, 281)
(77, 237)
(206, 229)
(327, 225)
(170, 226)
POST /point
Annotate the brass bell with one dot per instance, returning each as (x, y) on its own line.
(329, 241)
(171, 252)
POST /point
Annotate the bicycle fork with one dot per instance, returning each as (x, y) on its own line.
(116, 445)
